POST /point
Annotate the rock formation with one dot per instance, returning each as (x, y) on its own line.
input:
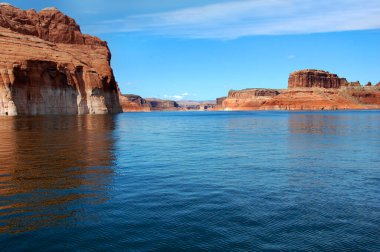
(134, 103)
(355, 84)
(219, 101)
(159, 105)
(308, 90)
(47, 66)
(254, 92)
(249, 98)
(315, 78)
(189, 105)
(366, 95)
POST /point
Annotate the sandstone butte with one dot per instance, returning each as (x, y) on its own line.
(47, 66)
(307, 90)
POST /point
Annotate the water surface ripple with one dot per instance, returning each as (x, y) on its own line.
(191, 181)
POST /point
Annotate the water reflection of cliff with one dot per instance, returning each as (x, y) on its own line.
(50, 167)
(314, 124)
(320, 142)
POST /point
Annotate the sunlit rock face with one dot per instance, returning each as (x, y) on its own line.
(308, 90)
(47, 66)
(315, 78)
(134, 103)
(162, 105)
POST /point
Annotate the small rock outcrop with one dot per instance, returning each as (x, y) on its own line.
(134, 103)
(47, 66)
(354, 84)
(190, 105)
(254, 92)
(158, 104)
(310, 78)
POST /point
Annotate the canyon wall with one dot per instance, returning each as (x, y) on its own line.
(315, 78)
(307, 90)
(134, 103)
(159, 105)
(47, 66)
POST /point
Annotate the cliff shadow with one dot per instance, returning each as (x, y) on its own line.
(40, 87)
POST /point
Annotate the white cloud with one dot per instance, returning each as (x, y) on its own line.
(230, 20)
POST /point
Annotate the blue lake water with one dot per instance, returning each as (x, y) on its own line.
(191, 181)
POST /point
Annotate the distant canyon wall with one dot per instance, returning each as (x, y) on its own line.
(47, 66)
(307, 90)
(135, 103)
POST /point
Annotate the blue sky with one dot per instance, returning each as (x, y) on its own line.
(200, 49)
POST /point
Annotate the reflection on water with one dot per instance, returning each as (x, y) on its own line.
(313, 124)
(212, 181)
(49, 165)
(342, 123)
(331, 148)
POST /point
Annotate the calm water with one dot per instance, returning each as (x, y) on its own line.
(217, 181)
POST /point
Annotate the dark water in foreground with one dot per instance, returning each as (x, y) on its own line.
(222, 181)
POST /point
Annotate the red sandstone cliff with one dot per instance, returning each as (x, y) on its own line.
(308, 90)
(162, 105)
(134, 103)
(47, 66)
(315, 78)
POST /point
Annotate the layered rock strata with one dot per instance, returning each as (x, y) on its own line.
(315, 78)
(47, 66)
(159, 105)
(189, 105)
(134, 103)
(308, 90)
(219, 101)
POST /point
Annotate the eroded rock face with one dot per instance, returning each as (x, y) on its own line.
(47, 66)
(354, 84)
(157, 104)
(219, 101)
(49, 24)
(315, 78)
(309, 99)
(368, 96)
(134, 103)
(254, 92)
(310, 90)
